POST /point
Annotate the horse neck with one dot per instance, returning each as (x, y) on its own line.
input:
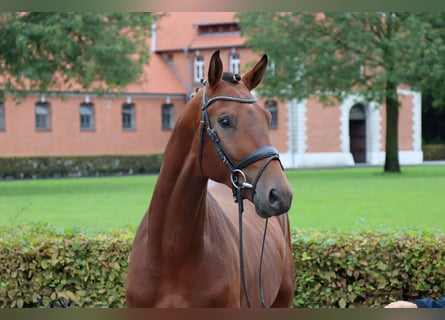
(178, 206)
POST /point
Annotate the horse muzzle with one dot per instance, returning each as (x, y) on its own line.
(272, 201)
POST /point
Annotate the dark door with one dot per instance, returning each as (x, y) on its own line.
(357, 131)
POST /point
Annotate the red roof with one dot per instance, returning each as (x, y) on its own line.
(217, 41)
(179, 30)
(207, 18)
(159, 79)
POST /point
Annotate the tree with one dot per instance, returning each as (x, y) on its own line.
(335, 54)
(96, 51)
(433, 93)
(432, 82)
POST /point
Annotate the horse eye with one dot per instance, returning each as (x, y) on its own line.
(225, 122)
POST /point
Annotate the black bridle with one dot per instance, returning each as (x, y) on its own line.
(238, 178)
(235, 169)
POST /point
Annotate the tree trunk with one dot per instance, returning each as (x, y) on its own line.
(392, 136)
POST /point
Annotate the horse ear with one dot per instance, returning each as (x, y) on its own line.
(253, 77)
(215, 69)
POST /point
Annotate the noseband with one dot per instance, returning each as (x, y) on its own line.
(238, 178)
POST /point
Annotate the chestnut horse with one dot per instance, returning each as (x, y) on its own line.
(186, 252)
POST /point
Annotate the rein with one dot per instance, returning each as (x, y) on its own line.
(238, 178)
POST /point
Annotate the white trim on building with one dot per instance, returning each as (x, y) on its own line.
(297, 157)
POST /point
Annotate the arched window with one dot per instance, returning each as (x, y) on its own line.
(234, 63)
(128, 116)
(43, 115)
(272, 107)
(199, 68)
(357, 112)
(86, 116)
(357, 133)
(167, 116)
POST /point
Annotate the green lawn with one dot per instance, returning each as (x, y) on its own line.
(367, 198)
(102, 203)
(349, 199)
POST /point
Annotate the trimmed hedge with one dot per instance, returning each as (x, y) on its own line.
(81, 166)
(366, 269)
(433, 152)
(49, 267)
(44, 266)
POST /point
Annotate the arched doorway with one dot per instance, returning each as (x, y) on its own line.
(357, 133)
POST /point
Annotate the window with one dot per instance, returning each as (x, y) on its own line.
(167, 116)
(228, 27)
(272, 107)
(2, 116)
(86, 116)
(128, 119)
(357, 112)
(43, 115)
(234, 62)
(199, 68)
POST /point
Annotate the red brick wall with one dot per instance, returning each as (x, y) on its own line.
(20, 137)
(323, 127)
(405, 129)
(279, 136)
(66, 138)
(406, 124)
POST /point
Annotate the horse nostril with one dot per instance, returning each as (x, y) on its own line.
(274, 199)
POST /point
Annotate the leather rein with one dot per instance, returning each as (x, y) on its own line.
(238, 178)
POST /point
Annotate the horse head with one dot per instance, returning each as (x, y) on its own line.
(234, 143)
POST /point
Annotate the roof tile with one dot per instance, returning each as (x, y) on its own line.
(178, 30)
(159, 79)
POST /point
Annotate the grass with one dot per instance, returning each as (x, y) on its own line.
(367, 198)
(348, 199)
(95, 203)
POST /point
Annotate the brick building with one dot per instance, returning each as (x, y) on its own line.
(140, 120)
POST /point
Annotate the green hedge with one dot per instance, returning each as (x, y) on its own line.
(433, 152)
(367, 269)
(81, 166)
(47, 267)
